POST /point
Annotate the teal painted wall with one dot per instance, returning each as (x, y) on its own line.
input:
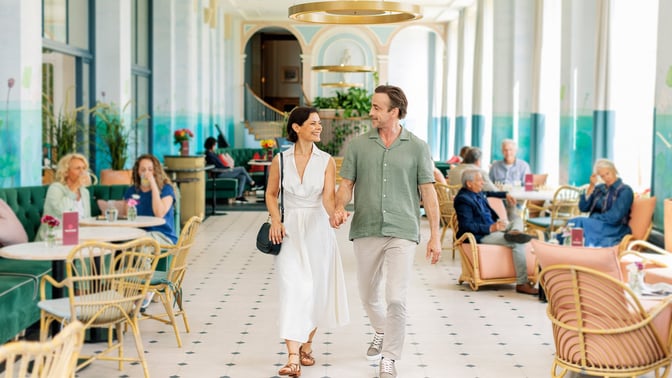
(576, 149)
(662, 161)
(21, 147)
(502, 128)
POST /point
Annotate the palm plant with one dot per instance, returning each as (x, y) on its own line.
(114, 134)
(60, 129)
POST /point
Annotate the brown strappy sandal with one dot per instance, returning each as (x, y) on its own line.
(306, 358)
(291, 369)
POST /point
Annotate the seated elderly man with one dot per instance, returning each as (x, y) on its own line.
(472, 160)
(475, 215)
(509, 170)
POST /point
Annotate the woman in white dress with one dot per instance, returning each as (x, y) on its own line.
(310, 275)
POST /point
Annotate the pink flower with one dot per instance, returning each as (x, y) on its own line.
(132, 202)
(50, 221)
(640, 265)
(10, 83)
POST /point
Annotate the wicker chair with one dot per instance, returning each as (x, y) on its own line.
(56, 358)
(445, 195)
(564, 206)
(103, 292)
(168, 285)
(534, 208)
(601, 328)
(487, 264)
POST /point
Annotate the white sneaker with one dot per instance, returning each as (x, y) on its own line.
(147, 300)
(376, 347)
(387, 369)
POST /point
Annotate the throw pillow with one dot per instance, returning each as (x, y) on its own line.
(120, 205)
(11, 230)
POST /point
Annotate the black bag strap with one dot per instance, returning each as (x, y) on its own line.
(282, 190)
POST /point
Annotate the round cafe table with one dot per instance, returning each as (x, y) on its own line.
(140, 221)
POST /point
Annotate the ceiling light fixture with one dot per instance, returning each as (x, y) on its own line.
(355, 12)
(343, 68)
(341, 84)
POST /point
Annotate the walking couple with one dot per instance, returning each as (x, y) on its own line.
(393, 170)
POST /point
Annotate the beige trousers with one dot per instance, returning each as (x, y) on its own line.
(388, 262)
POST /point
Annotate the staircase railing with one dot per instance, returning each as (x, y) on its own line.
(258, 110)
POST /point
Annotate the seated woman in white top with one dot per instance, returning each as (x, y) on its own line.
(68, 192)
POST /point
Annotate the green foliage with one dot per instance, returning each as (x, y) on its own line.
(341, 130)
(115, 135)
(60, 129)
(325, 102)
(356, 102)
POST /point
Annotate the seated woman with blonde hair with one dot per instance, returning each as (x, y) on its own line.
(608, 204)
(68, 192)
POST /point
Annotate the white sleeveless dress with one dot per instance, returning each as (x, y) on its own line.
(311, 284)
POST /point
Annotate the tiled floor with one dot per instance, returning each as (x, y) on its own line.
(452, 331)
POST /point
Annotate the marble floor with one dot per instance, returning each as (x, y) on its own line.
(231, 301)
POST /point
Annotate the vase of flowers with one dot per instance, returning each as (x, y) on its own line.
(50, 231)
(268, 145)
(132, 212)
(636, 277)
(182, 137)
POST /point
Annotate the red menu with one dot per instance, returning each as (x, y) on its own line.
(577, 237)
(529, 182)
(70, 228)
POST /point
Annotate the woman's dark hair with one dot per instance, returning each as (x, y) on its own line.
(209, 143)
(397, 98)
(299, 115)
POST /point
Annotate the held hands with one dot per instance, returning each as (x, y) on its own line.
(339, 217)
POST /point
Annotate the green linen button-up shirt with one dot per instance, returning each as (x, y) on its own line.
(387, 198)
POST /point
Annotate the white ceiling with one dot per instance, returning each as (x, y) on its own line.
(276, 10)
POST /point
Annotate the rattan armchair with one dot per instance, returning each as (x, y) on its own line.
(168, 285)
(56, 358)
(104, 291)
(564, 206)
(601, 328)
(445, 195)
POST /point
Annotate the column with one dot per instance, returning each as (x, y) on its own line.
(21, 93)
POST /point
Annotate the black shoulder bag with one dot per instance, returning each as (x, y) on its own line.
(264, 243)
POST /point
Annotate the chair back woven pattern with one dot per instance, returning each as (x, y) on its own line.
(564, 206)
(169, 290)
(56, 358)
(107, 289)
(599, 326)
(446, 195)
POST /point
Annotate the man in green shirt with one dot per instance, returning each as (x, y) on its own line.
(392, 169)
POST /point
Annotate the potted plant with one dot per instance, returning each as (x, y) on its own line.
(115, 137)
(60, 129)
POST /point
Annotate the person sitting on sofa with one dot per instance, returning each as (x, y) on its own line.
(68, 192)
(239, 173)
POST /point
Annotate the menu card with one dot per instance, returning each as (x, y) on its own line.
(70, 228)
(529, 182)
(577, 237)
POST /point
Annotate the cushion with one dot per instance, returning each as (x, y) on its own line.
(227, 160)
(602, 259)
(119, 204)
(11, 230)
(641, 214)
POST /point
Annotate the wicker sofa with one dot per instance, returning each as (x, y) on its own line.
(19, 279)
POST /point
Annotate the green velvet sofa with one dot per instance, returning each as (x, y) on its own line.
(19, 279)
(227, 188)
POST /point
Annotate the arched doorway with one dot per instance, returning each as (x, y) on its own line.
(273, 67)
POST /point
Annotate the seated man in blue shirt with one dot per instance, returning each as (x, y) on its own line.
(475, 215)
(510, 170)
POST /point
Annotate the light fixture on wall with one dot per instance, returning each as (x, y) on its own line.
(342, 84)
(343, 68)
(355, 12)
